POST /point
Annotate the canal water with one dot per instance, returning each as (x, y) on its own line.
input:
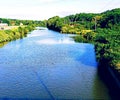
(49, 65)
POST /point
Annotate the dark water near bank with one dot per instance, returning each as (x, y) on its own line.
(49, 65)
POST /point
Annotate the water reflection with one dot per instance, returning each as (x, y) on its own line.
(48, 65)
(98, 91)
(51, 41)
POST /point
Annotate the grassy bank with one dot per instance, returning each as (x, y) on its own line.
(16, 28)
(15, 33)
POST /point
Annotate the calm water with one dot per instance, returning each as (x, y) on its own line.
(49, 65)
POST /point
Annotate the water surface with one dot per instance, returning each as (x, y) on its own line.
(49, 65)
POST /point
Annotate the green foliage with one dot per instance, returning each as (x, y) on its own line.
(79, 38)
(25, 26)
(110, 18)
(13, 34)
(107, 43)
(17, 22)
(106, 38)
(55, 23)
(89, 36)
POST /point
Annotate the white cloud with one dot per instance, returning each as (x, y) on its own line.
(44, 9)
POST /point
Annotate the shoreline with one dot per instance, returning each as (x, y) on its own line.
(109, 75)
(111, 80)
(15, 33)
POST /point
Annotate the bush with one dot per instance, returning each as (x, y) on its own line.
(13, 34)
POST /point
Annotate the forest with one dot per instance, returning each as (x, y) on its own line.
(102, 29)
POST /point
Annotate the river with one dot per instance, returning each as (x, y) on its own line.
(49, 65)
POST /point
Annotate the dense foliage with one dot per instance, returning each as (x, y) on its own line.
(15, 33)
(101, 29)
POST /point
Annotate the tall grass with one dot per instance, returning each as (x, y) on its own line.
(15, 33)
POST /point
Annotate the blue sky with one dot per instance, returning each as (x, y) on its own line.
(44, 9)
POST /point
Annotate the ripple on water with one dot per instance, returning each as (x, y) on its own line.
(47, 65)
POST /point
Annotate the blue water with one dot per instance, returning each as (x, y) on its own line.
(49, 65)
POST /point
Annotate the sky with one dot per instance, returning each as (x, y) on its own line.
(44, 9)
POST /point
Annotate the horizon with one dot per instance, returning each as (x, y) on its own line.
(45, 9)
(59, 16)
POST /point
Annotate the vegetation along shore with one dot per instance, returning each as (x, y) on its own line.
(16, 29)
(103, 30)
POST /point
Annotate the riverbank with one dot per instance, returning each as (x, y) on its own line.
(13, 33)
(106, 39)
(104, 34)
(108, 70)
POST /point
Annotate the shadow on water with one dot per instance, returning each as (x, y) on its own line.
(87, 55)
(98, 92)
(106, 75)
(66, 68)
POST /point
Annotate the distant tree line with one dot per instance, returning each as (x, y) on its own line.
(17, 22)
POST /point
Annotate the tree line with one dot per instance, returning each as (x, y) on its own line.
(102, 29)
(17, 22)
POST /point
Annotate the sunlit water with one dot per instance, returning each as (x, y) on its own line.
(49, 65)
